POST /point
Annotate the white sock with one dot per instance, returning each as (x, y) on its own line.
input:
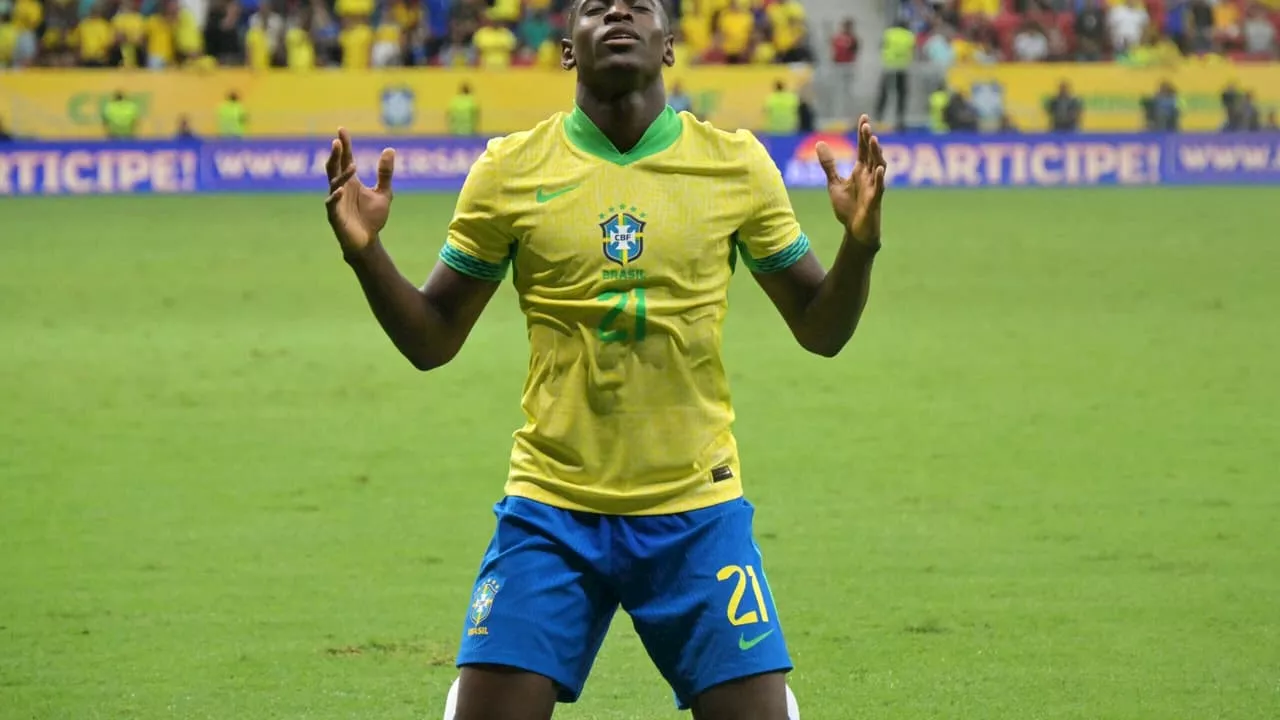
(451, 702)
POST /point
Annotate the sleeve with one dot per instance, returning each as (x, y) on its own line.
(479, 240)
(770, 239)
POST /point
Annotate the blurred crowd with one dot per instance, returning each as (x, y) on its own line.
(1136, 32)
(303, 34)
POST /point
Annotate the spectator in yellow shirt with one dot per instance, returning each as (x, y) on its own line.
(28, 14)
(786, 21)
(161, 49)
(299, 52)
(388, 45)
(495, 44)
(186, 33)
(979, 8)
(1155, 50)
(131, 32)
(408, 14)
(548, 55)
(21, 33)
(94, 40)
(736, 24)
(505, 12)
(1226, 21)
(356, 41)
(762, 51)
(695, 28)
(354, 9)
(8, 39)
(257, 47)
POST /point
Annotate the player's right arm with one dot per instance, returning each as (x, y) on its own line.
(427, 325)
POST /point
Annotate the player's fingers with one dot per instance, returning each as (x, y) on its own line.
(345, 137)
(864, 138)
(342, 178)
(877, 153)
(386, 168)
(332, 166)
(828, 163)
(879, 184)
(331, 202)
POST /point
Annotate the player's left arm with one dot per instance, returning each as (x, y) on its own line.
(822, 307)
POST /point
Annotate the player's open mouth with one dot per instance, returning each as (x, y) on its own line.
(620, 37)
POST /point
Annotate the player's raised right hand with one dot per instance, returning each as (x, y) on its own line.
(357, 213)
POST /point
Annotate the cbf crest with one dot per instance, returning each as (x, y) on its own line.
(623, 231)
(482, 605)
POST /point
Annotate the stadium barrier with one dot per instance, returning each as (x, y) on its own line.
(441, 164)
(66, 104)
(1112, 93)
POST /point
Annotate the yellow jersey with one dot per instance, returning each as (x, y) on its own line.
(94, 38)
(8, 42)
(160, 39)
(257, 48)
(495, 45)
(736, 25)
(28, 14)
(787, 19)
(357, 44)
(300, 54)
(622, 263)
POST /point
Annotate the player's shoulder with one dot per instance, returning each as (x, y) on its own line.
(518, 148)
(732, 146)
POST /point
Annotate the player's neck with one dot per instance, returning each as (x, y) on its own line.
(623, 119)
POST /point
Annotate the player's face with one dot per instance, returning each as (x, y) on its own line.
(628, 37)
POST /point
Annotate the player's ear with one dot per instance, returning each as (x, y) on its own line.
(669, 50)
(567, 60)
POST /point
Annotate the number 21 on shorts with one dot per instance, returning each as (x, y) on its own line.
(744, 575)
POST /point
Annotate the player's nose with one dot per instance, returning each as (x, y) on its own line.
(619, 10)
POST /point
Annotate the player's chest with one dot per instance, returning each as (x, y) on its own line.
(619, 224)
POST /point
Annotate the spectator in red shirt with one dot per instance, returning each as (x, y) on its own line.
(844, 51)
(844, 44)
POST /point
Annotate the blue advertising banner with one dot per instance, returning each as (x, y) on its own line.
(441, 164)
(1045, 160)
(298, 165)
(422, 164)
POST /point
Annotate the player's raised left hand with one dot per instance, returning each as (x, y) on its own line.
(356, 213)
(856, 199)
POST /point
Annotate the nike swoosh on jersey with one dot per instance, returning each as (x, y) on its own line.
(744, 644)
(543, 196)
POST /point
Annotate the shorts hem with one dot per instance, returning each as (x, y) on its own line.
(566, 692)
(683, 703)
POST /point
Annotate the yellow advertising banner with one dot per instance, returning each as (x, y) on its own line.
(1112, 94)
(65, 104)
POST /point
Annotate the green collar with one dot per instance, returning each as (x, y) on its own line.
(661, 135)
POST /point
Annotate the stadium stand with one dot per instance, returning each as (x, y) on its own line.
(302, 34)
(842, 40)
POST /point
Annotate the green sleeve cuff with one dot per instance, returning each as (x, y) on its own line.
(472, 266)
(781, 260)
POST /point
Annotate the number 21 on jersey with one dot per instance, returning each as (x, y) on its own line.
(613, 326)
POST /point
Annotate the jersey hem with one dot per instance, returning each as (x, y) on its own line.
(721, 492)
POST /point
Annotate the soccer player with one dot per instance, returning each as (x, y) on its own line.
(621, 223)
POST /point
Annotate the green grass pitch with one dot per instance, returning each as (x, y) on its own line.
(1043, 482)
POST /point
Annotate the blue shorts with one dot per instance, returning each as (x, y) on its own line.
(692, 582)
